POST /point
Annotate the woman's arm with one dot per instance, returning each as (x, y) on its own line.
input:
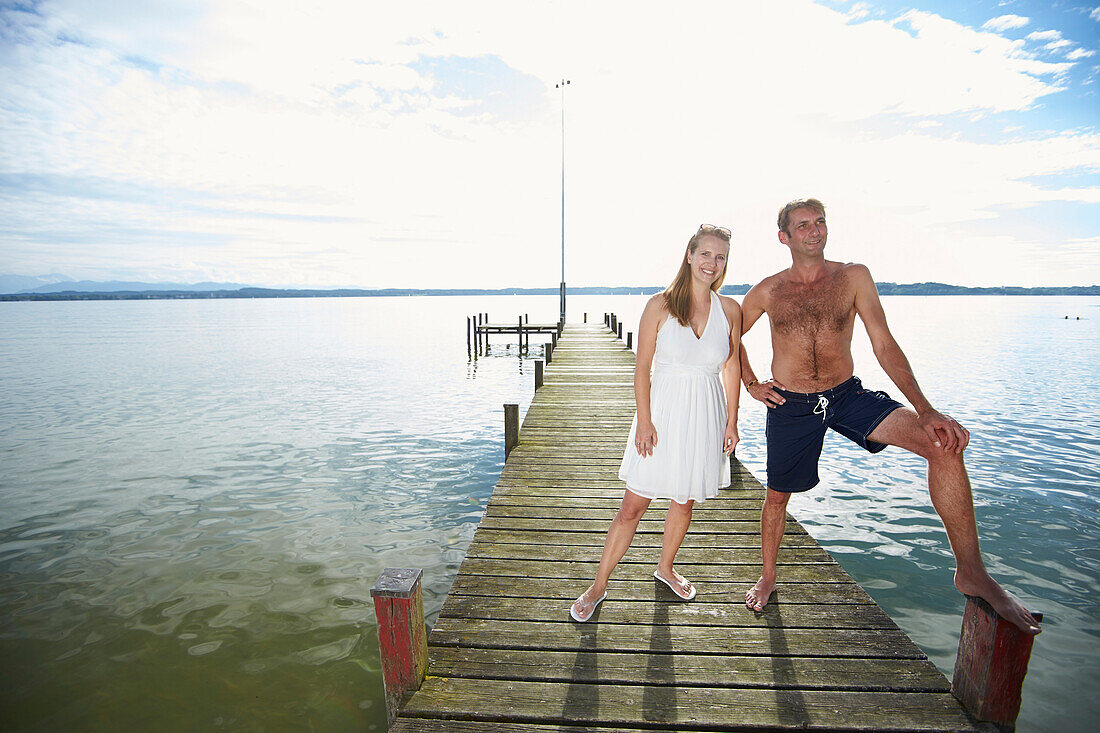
(731, 374)
(645, 437)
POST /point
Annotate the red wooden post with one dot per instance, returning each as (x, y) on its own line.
(991, 664)
(402, 637)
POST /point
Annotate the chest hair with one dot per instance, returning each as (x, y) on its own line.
(811, 308)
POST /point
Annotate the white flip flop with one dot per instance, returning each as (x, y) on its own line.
(573, 610)
(673, 588)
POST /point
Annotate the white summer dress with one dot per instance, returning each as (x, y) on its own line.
(688, 408)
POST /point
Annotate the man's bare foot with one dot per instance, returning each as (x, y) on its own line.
(1004, 603)
(758, 595)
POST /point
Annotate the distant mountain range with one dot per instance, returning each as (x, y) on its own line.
(62, 283)
(60, 287)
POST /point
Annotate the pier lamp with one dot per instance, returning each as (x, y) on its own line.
(561, 85)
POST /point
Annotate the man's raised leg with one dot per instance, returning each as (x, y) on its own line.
(949, 488)
(773, 520)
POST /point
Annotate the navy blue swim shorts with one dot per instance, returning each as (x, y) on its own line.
(796, 429)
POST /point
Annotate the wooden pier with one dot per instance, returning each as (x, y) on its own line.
(478, 329)
(504, 655)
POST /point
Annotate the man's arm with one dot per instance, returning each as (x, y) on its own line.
(752, 308)
(944, 431)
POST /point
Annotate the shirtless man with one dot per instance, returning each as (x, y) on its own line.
(812, 308)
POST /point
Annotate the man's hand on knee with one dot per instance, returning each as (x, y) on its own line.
(944, 431)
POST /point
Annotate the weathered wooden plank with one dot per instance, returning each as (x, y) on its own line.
(724, 540)
(654, 525)
(686, 555)
(505, 497)
(696, 670)
(641, 705)
(667, 638)
(711, 591)
(571, 514)
(663, 608)
(643, 571)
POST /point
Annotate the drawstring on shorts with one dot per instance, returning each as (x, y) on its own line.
(822, 406)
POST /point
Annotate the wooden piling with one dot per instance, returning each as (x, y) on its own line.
(538, 373)
(511, 428)
(620, 330)
(554, 339)
(402, 637)
(991, 664)
(630, 339)
(519, 333)
(549, 348)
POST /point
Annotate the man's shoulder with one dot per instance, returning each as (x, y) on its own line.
(769, 282)
(852, 268)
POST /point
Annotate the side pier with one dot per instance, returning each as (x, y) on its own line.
(505, 656)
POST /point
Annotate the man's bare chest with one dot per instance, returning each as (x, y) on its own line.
(812, 308)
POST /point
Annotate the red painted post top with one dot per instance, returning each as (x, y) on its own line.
(402, 636)
(991, 664)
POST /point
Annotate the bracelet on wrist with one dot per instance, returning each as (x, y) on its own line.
(749, 384)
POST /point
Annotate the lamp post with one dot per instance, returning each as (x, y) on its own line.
(561, 85)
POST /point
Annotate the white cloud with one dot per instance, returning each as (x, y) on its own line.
(1006, 22)
(859, 11)
(1079, 53)
(282, 146)
(1095, 14)
(1044, 36)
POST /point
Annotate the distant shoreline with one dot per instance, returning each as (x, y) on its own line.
(884, 288)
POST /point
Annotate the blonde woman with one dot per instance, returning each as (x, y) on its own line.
(686, 423)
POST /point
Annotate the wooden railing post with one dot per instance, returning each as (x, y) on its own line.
(629, 339)
(586, 316)
(620, 333)
(549, 348)
(991, 664)
(538, 373)
(511, 428)
(402, 637)
(554, 339)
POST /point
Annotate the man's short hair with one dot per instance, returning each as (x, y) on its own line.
(784, 219)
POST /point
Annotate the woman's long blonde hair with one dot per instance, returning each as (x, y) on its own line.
(678, 294)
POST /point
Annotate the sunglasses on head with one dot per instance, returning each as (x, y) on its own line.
(710, 228)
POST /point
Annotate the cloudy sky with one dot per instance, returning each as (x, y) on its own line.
(418, 144)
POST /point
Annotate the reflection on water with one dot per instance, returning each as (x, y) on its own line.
(195, 497)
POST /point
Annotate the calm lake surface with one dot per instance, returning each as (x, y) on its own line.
(196, 496)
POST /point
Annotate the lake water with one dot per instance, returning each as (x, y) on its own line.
(196, 496)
